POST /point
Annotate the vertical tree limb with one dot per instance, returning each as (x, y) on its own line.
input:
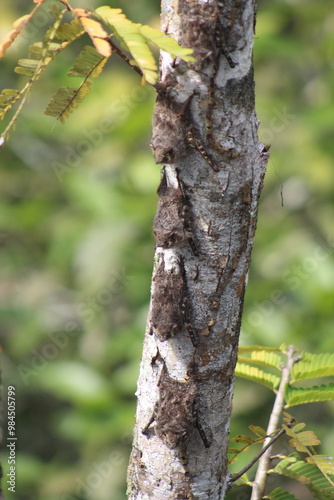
(260, 481)
(205, 132)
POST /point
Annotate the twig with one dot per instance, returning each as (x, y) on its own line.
(274, 438)
(260, 481)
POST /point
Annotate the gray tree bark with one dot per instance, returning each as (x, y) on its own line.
(205, 134)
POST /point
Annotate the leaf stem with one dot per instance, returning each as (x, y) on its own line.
(123, 56)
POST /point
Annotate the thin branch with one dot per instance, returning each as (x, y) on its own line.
(260, 481)
(274, 438)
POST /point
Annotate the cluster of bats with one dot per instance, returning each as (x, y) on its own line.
(176, 412)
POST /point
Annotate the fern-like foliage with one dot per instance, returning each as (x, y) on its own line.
(68, 32)
(95, 31)
(315, 471)
(247, 441)
(300, 395)
(305, 367)
(307, 474)
(312, 366)
(279, 494)
(163, 42)
(300, 439)
(88, 64)
(304, 442)
(256, 375)
(263, 358)
(66, 100)
(103, 26)
(130, 37)
(324, 463)
(8, 98)
(134, 37)
(40, 56)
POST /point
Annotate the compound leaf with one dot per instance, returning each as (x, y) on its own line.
(299, 395)
(66, 100)
(313, 365)
(256, 375)
(89, 63)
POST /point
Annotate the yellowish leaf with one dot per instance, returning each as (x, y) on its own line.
(258, 431)
(81, 12)
(96, 32)
(18, 25)
(7, 41)
(102, 46)
(93, 28)
(325, 463)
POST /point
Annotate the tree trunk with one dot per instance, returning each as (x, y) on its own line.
(205, 134)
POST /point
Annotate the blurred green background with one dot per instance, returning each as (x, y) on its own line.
(77, 204)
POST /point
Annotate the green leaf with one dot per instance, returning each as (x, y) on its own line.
(307, 474)
(258, 431)
(256, 375)
(251, 348)
(279, 494)
(298, 395)
(298, 427)
(39, 48)
(323, 462)
(29, 63)
(304, 439)
(24, 71)
(9, 96)
(166, 43)
(301, 439)
(89, 63)
(66, 100)
(129, 34)
(95, 31)
(263, 358)
(313, 365)
(243, 439)
(68, 32)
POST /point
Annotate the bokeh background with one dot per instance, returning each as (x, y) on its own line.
(76, 247)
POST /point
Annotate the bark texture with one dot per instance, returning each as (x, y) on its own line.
(205, 134)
